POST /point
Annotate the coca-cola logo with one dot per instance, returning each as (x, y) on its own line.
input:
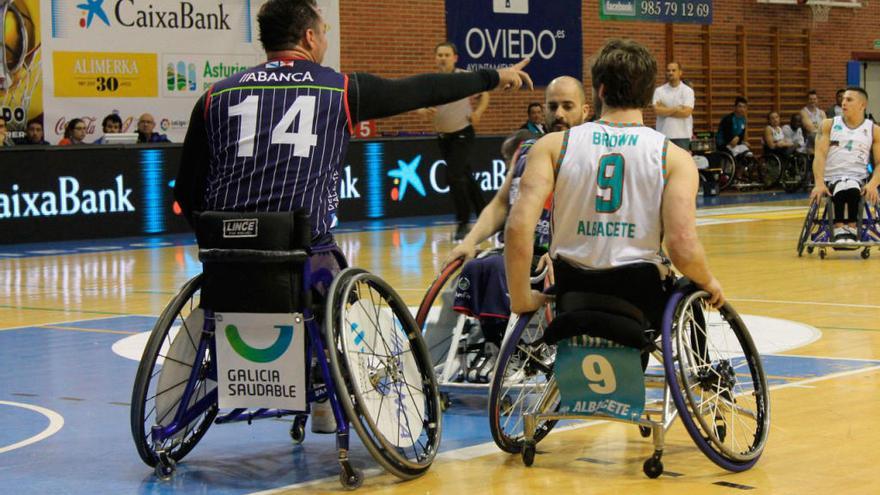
(93, 124)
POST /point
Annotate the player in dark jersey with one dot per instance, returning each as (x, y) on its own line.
(273, 138)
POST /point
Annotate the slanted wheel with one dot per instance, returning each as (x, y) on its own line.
(725, 162)
(716, 379)
(522, 381)
(382, 372)
(807, 229)
(772, 169)
(169, 362)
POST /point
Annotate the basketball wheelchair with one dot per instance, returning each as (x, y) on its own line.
(741, 172)
(818, 229)
(358, 347)
(588, 363)
(463, 347)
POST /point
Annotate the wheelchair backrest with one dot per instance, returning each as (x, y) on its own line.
(601, 316)
(253, 262)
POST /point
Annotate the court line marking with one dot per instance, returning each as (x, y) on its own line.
(474, 451)
(59, 323)
(76, 329)
(56, 422)
(805, 303)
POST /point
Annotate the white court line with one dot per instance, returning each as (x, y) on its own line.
(56, 421)
(807, 303)
(65, 322)
(475, 451)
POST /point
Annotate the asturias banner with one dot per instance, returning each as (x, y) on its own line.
(499, 33)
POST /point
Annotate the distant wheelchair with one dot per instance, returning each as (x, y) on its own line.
(818, 230)
(796, 172)
(360, 349)
(463, 348)
(588, 364)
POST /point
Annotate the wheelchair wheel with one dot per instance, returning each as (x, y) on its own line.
(163, 373)
(382, 372)
(725, 162)
(794, 173)
(521, 381)
(434, 290)
(807, 228)
(772, 169)
(716, 380)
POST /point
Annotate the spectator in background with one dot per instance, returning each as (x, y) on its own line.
(74, 133)
(5, 139)
(794, 132)
(674, 104)
(732, 129)
(146, 124)
(535, 124)
(33, 134)
(775, 141)
(836, 110)
(812, 117)
(112, 124)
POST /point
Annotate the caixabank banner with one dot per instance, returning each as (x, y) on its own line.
(131, 57)
(491, 34)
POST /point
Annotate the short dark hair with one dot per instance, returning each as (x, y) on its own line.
(676, 63)
(512, 142)
(532, 105)
(113, 117)
(447, 44)
(841, 91)
(34, 121)
(858, 89)
(283, 23)
(628, 72)
(811, 92)
(740, 99)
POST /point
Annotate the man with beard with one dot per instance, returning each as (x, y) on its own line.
(482, 287)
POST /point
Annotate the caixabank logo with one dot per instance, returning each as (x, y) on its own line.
(102, 17)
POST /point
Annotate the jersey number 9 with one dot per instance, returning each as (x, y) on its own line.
(610, 180)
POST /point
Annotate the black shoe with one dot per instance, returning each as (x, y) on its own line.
(460, 232)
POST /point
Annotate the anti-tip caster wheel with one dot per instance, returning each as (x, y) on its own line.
(653, 467)
(822, 254)
(445, 401)
(165, 467)
(528, 453)
(644, 431)
(810, 249)
(351, 478)
(298, 429)
(866, 253)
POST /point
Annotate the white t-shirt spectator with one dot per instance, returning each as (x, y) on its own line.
(796, 137)
(675, 127)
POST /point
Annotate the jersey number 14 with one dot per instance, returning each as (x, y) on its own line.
(302, 138)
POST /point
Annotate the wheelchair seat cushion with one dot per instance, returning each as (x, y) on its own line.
(252, 287)
(602, 316)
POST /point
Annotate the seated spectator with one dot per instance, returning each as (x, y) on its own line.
(5, 139)
(732, 129)
(146, 124)
(794, 132)
(74, 133)
(34, 134)
(112, 124)
(535, 124)
(774, 137)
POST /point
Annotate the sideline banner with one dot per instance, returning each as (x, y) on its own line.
(491, 34)
(147, 56)
(21, 97)
(667, 11)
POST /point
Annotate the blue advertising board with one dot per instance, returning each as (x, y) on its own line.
(669, 11)
(491, 34)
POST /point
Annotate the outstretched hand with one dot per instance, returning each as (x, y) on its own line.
(513, 77)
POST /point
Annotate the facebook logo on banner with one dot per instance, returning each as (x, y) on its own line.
(510, 6)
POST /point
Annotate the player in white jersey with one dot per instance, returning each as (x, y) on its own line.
(843, 149)
(619, 189)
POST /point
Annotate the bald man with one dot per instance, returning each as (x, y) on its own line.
(145, 125)
(482, 288)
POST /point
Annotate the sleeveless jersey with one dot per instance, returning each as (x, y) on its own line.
(609, 187)
(542, 230)
(278, 134)
(849, 151)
